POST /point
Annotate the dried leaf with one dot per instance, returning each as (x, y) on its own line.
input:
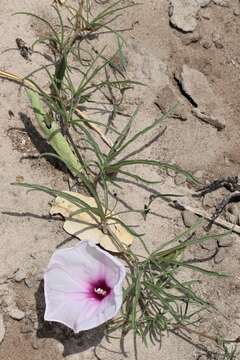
(84, 227)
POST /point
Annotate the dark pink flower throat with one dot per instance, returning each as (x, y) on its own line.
(99, 289)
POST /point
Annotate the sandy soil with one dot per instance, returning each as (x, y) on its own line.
(156, 53)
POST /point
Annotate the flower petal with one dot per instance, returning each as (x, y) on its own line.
(67, 284)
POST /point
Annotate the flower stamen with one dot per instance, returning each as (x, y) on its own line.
(100, 291)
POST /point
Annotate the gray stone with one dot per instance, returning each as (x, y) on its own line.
(167, 99)
(234, 209)
(20, 275)
(189, 218)
(219, 257)
(27, 326)
(28, 282)
(225, 241)
(9, 298)
(16, 313)
(183, 14)
(233, 213)
(210, 245)
(190, 38)
(236, 12)
(169, 171)
(208, 106)
(217, 40)
(203, 3)
(224, 3)
(232, 218)
(36, 325)
(199, 174)
(180, 179)
(218, 123)
(35, 343)
(202, 357)
(2, 329)
(206, 44)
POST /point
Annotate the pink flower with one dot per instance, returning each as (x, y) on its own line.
(83, 286)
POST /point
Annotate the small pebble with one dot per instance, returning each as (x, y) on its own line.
(202, 357)
(236, 12)
(232, 218)
(199, 174)
(20, 275)
(189, 218)
(225, 242)
(16, 313)
(217, 40)
(209, 245)
(180, 179)
(204, 3)
(35, 343)
(206, 44)
(234, 209)
(27, 326)
(2, 329)
(9, 299)
(219, 256)
(223, 3)
(191, 38)
(171, 172)
(28, 282)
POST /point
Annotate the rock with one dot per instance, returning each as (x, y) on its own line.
(9, 298)
(203, 3)
(2, 329)
(191, 38)
(183, 14)
(217, 40)
(35, 343)
(207, 106)
(234, 209)
(27, 326)
(6, 276)
(189, 218)
(206, 44)
(36, 325)
(202, 357)
(225, 242)
(144, 65)
(180, 179)
(16, 313)
(20, 275)
(219, 257)
(233, 213)
(224, 3)
(199, 174)
(210, 245)
(236, 12)
(169, 171)
(218, 124)
(28, 282)
(206, 14)
(168, 99)
(232, 218)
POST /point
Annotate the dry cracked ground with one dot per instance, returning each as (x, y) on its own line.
(186, 52)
